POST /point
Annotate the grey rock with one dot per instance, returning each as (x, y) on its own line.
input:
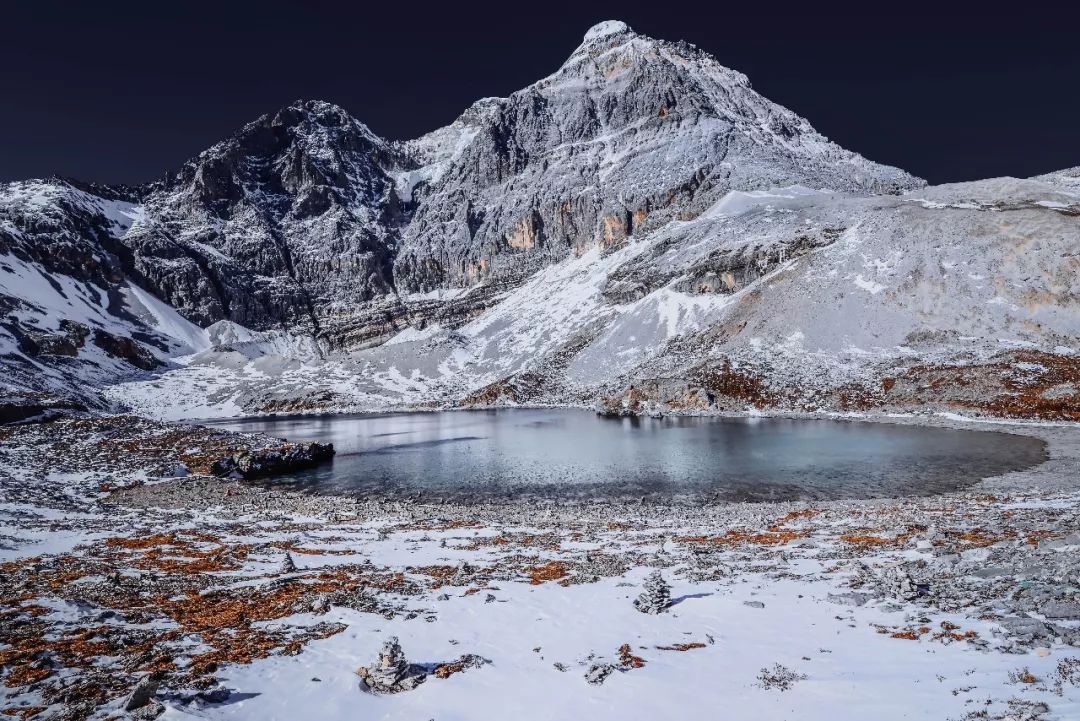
(599, 672)
(1061, 609)
(150, 711)
(850, 598)
(218, 694)
(274, 461)
(1026, 629)
(142, 694)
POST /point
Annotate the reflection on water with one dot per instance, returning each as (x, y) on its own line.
(565, 453)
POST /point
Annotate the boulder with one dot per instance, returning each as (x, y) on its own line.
(142, 694)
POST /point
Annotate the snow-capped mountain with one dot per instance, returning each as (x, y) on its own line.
(639, 216)
(628, 135)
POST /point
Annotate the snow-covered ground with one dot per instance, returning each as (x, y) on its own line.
(962, 606)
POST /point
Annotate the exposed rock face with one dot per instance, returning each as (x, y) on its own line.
(126, 348)
(629, 134)
(292, 218)
(656, 596)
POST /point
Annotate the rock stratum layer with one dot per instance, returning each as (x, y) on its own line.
(640, 227)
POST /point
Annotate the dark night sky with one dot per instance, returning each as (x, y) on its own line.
(122, 92)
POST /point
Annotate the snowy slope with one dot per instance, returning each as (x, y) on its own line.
(810, 290)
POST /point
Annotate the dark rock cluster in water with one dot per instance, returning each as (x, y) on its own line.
(263, 462)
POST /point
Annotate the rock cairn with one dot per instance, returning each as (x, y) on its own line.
(898, 583)
(392, 673)
(656, 597)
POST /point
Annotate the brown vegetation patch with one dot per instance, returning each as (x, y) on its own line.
(728, 381)
(793, 516)
(980, 537)
(866, 539)
(23, 712)
(553, 571)
(441, 574)
(628, 659)
(1046, 387)
(180, 588)
(911, 634)
(544, 541)
(171, 553)
(447, 670)
(741, 537)
(437, 524)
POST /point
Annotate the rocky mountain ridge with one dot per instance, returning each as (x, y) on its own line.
(628, 217)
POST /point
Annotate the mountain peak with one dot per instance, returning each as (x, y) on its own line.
(318, 111)
(606, 28)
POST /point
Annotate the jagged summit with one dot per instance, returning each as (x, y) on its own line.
(606, 28)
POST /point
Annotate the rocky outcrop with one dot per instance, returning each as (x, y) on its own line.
(285, 223)
(127, 349)
(143, 693)
(15, 408)
(278, 460)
